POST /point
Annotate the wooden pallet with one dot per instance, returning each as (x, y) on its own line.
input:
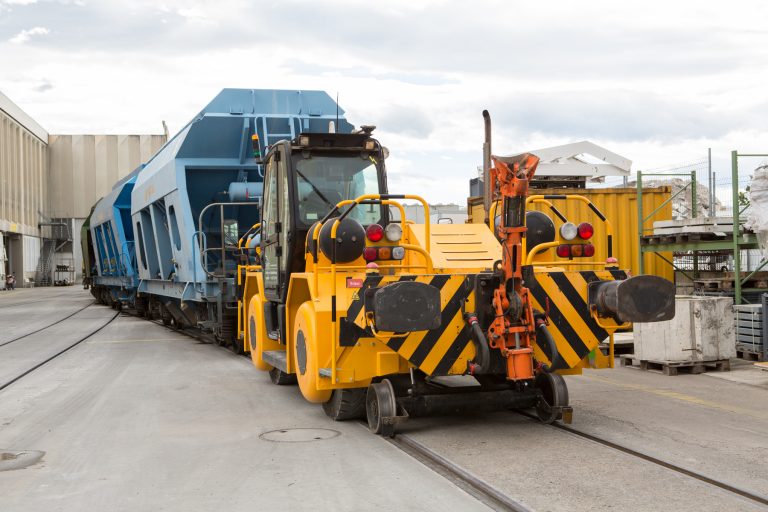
(673, 367)
(749, 355)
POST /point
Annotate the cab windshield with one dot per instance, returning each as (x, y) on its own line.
(323, 181)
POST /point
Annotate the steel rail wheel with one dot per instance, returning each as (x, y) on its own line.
(380, 404)
(554, 396)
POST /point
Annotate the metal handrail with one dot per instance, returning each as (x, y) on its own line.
(202, 241)
(334, 230)
(545, 199)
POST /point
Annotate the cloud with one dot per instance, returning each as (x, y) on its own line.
(25, 35)
(366, 71)
(406, 120)
(620, 115)
(43, 87)
(659, 86)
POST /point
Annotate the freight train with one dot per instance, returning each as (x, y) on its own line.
(164, 240)
(286, 243)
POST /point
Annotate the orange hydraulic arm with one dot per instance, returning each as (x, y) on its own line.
(513, 329)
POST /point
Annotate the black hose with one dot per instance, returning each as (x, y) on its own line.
(483, 354)
(554, 358)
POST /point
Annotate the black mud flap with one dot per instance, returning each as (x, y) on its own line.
(637, 299)
(404, 306)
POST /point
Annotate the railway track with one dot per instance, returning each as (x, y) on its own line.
(32, 300)
(23, 373)
(744, 493)
(472, 484)
(8, 342)
(498, 500)
(25, 303)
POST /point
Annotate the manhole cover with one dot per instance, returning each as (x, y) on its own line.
(299, 435)
(18, 459)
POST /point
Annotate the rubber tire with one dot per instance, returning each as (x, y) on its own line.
(304, 324)
(555, 393)
(281, 378)
(379, 402)
(346, 404)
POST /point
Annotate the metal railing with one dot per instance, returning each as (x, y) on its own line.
(202, 238)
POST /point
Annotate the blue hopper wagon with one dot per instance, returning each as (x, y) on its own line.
(165, 239)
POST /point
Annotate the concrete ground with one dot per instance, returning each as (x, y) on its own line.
(140, 417)
(713, 426)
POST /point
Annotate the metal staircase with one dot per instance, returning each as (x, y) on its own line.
(45, 263)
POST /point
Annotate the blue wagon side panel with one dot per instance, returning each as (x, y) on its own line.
(196, 168)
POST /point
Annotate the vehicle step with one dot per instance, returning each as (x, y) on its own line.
(276, 358)
(325, 372)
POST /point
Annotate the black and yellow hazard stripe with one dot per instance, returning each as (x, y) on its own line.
(565, 294)
(434, 351)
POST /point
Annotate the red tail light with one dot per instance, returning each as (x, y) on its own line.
(585, 230)
(575, 251)
(374, 232)
(563, 251)
(370, 254)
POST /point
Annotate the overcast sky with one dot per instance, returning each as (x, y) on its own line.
(657, 82)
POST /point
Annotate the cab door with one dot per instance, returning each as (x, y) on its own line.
(276, 221)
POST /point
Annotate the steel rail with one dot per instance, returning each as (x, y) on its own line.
(191, 332)
(8, 342)
(16, 304)
(472, 484)
(25, 302)
(744, 493)
(57, 354)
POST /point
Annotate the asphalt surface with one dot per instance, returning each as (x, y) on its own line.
(140, 417)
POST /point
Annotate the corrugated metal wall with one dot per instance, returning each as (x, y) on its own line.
(23, 176)
(619, 205)
(85, 167)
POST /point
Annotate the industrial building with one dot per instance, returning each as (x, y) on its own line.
(47, 185)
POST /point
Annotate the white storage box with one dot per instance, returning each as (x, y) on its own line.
(702, 330)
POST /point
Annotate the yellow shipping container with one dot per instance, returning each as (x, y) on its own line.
(619, 205)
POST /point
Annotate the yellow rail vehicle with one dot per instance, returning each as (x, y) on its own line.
(382, 318)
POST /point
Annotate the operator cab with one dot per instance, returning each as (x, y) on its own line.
(304, 179)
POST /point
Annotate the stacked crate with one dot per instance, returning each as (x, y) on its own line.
(750, 339)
